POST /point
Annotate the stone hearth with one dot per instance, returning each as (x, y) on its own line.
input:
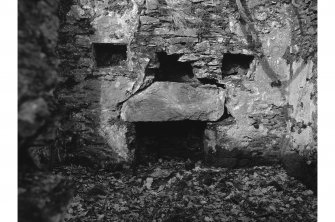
(182, 139)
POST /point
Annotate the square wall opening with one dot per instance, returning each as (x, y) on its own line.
(172, 70)
(179, 139)
(236, 64)
(108, 54)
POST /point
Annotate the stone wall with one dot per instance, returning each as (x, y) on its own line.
(37, 78)
(91, 94)
(261, 54)
(42, 196)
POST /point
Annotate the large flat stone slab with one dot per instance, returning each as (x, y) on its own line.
(171, 101)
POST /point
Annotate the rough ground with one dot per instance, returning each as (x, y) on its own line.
(177, 191)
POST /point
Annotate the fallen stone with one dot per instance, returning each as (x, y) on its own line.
(171, 101)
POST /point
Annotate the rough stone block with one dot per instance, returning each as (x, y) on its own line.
(145, 20)
(114, 92)
(152, 5)
(118, 139)
(171, 101)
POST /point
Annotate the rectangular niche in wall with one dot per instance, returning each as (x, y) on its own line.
(179, 139)
(235, 64)
(171, 70)
(109, 54)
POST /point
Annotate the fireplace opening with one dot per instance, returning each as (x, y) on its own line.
(107, 54)
(170, 69)
(172, 140)
(236, 64)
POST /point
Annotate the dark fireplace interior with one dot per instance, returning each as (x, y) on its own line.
(179, 139)
(107, 54)
(170, 69)
(235, 64)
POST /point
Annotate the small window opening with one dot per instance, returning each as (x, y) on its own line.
(236, 64)
(170, 69)
(107, 54)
